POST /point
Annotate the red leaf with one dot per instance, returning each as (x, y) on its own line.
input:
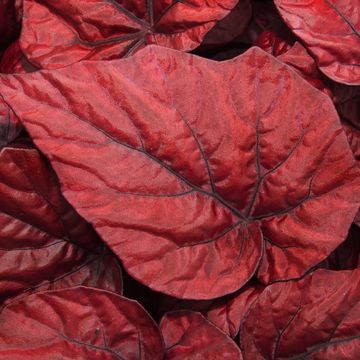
(108, 29)
(186, 188)
(314, 318)
(102, 272)
(44, 242)
(330, 30)
(78, 323)
(226, 312)
(188, 335)
(299, 59)
(346, 98)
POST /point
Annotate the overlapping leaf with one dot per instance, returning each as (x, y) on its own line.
(188, 335)
(331, 32)
(10, 126)
(314, 318)
(43, 242)
(194, 194)
(226, 313)
(108, 29)
(78, 323)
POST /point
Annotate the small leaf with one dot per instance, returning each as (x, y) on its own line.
(78, 323)
(188, 335)
(108, 29)
(317, 317)
(330, 31)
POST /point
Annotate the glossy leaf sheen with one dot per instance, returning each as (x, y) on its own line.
(193, 192)
(314, 318)
(188, 335)
(330, 30)
(43, 241)
(108, 29)
(78, 323)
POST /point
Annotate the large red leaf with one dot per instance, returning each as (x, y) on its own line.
(43, 241)
(331, 32)
(314, 318)
(188, 335)
(78, 323)
(189, 190)
(108, 29)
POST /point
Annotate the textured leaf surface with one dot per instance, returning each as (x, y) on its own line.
(226, 312)
(314, 318)
(78, 323)
(43, 241)
(108, 29)
(331, 32)
(300, 60)
(188, 190)
(188, 335)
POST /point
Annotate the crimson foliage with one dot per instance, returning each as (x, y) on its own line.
(157, 204)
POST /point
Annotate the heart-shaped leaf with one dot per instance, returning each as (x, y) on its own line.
(194, 192)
